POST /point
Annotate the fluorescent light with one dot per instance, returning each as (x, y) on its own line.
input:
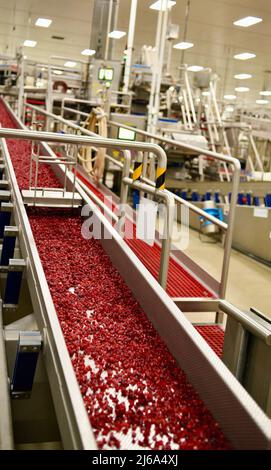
(183, 45)
(195, 68)
(58, 72)
(265, 93)
(28, 43)
(229, 97)
(70, 63)
(242, 76)
(241, 89)
(248, 21)
(88, 52)
(116, 34)
(262, 101)
(162, 5)
(43, 22)
(245, 56)
(205, 93)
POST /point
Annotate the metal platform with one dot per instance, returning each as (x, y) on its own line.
(47, 198)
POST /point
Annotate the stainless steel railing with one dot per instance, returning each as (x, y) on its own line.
(226, 227)
(126, 182)
(235, 184)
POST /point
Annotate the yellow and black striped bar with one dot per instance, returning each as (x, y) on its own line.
(138, 167)
(160, 178)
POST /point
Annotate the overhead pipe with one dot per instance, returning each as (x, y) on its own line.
(130, 44)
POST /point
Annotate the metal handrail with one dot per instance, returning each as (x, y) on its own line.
(114, 144)
(75, 100)
(84, 140)
(235, 185)
(228, 228)
(178, 199)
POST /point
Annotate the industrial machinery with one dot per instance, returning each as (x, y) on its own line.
(96, 357)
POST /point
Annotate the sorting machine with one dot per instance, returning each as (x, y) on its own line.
(50, 387)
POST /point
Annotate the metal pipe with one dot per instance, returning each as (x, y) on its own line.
(166, 242)
(187, 11)
(178, 199)
(130, 43)
(109, 22)
(248, 322)
(160, 68)
(154, 71)
(235, 185)
(215, 155)
(229, 234)
(190, 97)
(236, 175)
(255, 150)
(84, 140)
(201, 212)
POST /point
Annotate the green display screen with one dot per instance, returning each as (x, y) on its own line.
(106, 74)
(126, 134)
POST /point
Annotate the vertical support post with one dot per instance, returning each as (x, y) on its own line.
(109, 22)
(9, 241)
(166, 243)
(21, 88)
(229, 233)
(130, 43)
(154, 71)
(124, 192)
(160, 69)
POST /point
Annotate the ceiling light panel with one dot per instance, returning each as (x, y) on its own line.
(243, 76)
(162, 5)
(88, 52)
(29, 43)
(183, 45)
(116, 34)
(195, 68)
(265, 93)
(248, 21)
(43, 22)
(262, 101)
(241, 89)
(245, 56)
(229, 97)
(70, 63)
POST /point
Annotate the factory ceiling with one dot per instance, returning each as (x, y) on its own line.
(216, 39)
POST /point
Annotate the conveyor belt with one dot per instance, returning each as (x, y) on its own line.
(214, 336)
(133, 390)
(180, 282)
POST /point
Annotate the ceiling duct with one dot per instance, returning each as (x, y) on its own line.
(104, 18)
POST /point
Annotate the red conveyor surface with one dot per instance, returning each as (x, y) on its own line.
(214, 336)
(180, 282)
(134, 392)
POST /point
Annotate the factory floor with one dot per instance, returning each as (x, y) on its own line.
(249, 280)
